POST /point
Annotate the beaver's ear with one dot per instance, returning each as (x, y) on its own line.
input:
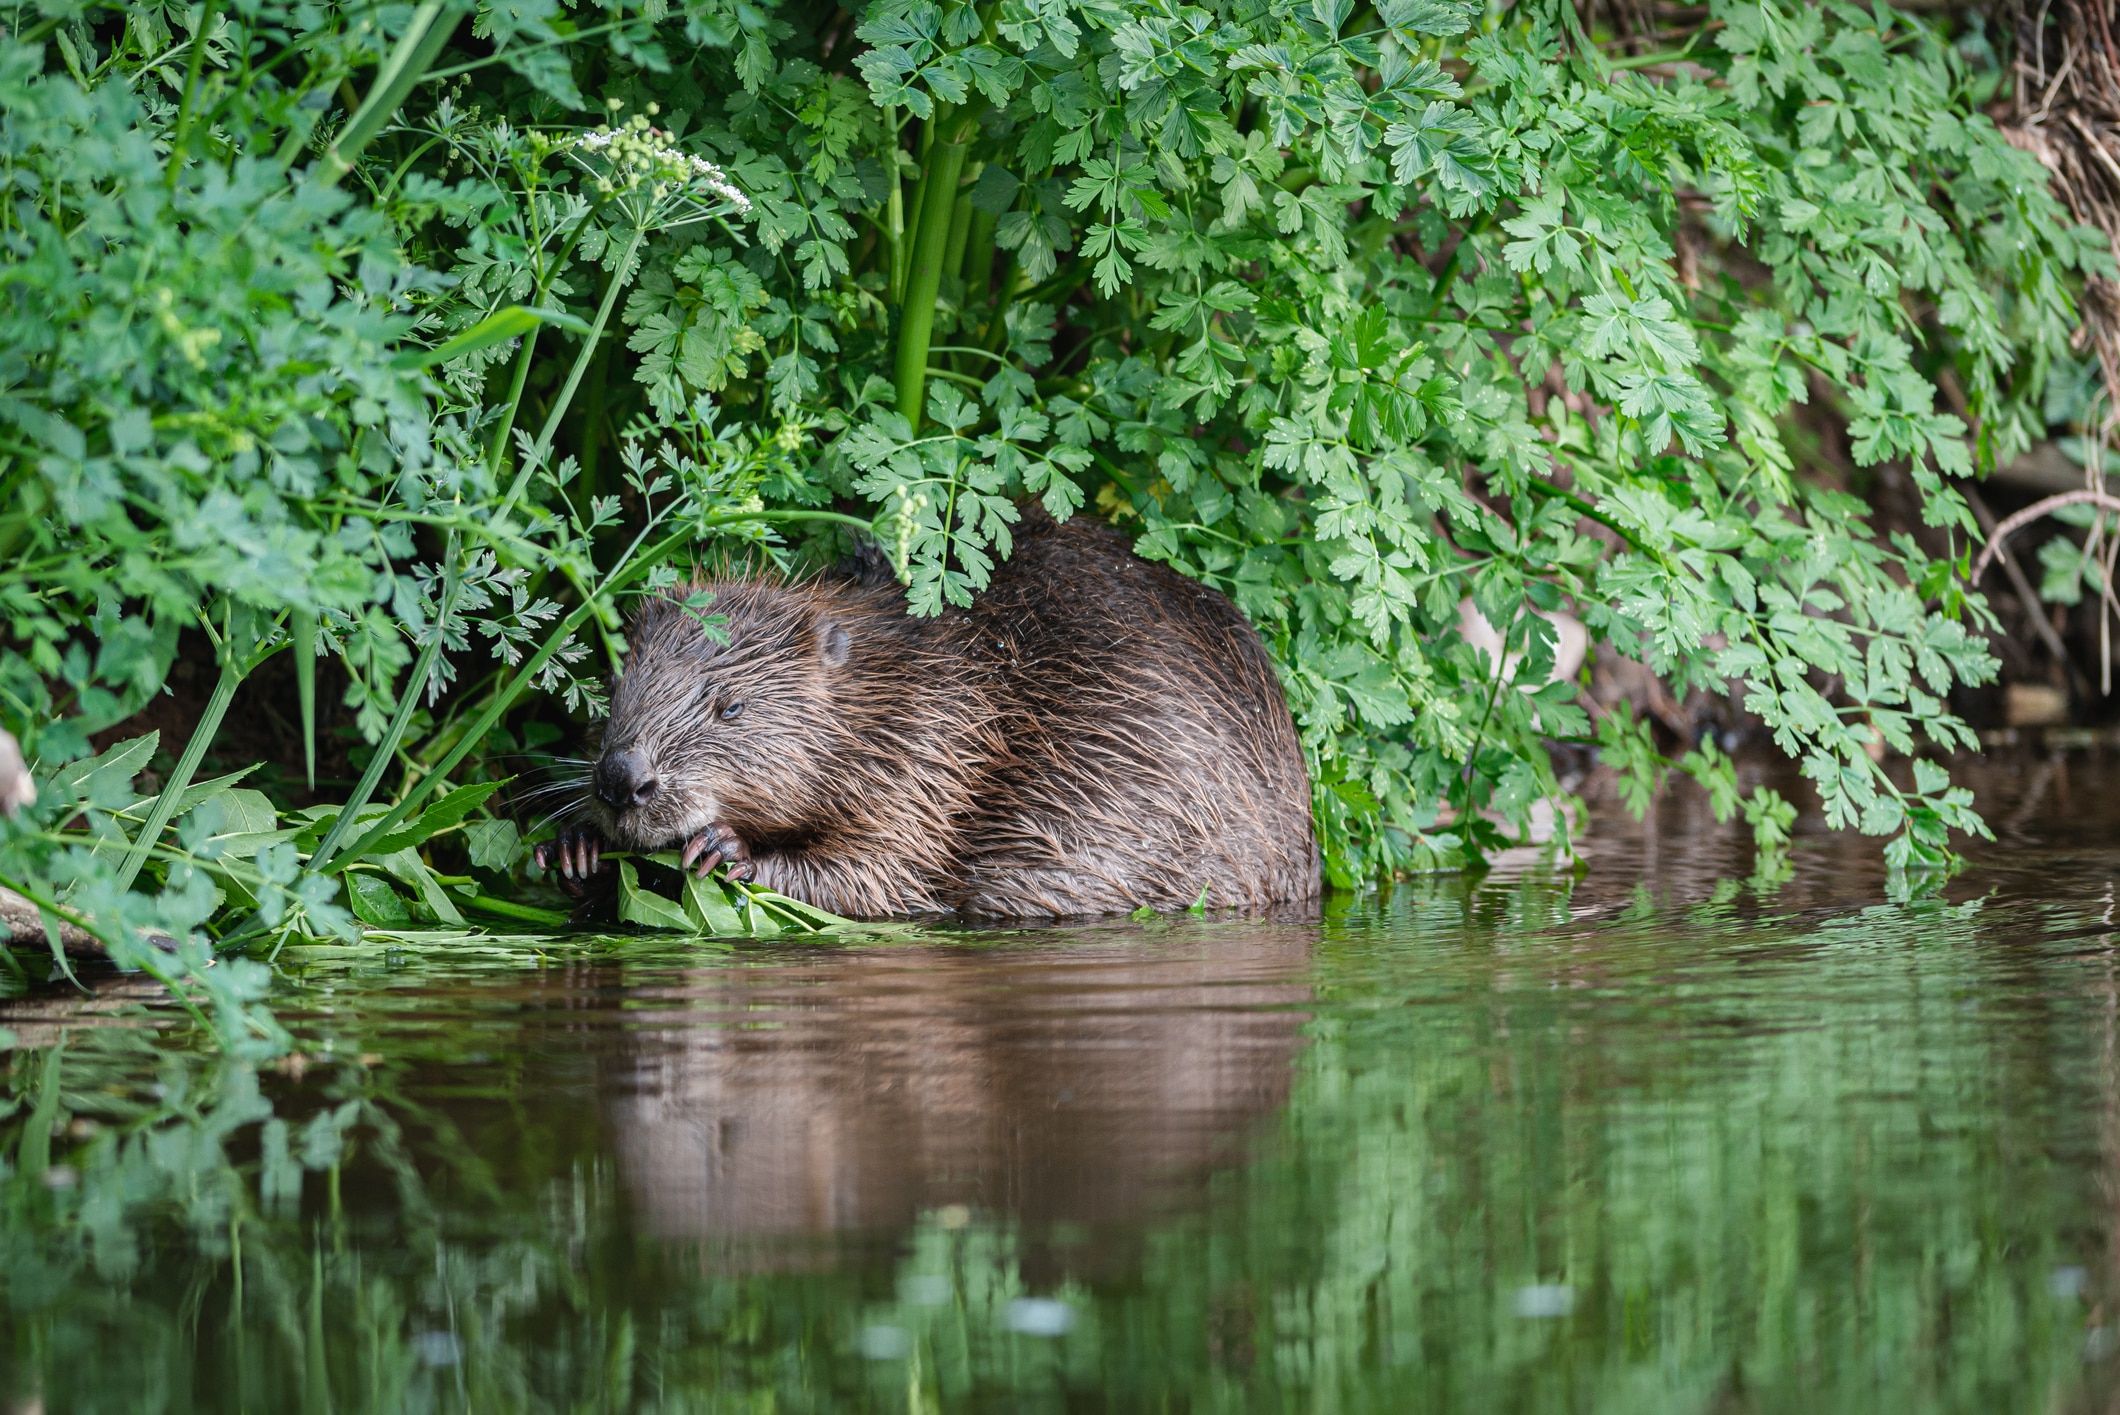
(832, 644)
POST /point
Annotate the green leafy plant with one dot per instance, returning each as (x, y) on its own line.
(419, 344)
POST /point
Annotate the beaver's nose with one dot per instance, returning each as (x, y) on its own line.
(622, 780)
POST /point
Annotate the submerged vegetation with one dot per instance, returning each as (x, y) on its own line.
(414, 339)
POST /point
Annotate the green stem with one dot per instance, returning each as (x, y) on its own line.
(523, 913)
(34, 1157)
(912, 220)
(543, 447)
(1457, 255)
(1645, 61)
(182, 128)
(299, 131)
(971, 349)
(1070, 274)
(938, 186)
(27, 496)
(996, 336)
(589, 443)
(979, 254)
(497, 450)
(1540, 487)
(234, 668)
(452, 729)
(960, 226)
(302, 628)
(565, 253)
(408, 63)
(515, 52)
(408, 704)
(1494, 694)
(894, 212)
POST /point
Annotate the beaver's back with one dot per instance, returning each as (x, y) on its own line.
(1150, 752)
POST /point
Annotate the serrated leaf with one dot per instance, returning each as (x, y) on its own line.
(442, 815)
(493, 844)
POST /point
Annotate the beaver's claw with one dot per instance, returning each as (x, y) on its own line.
(577, 853)
(718, 845)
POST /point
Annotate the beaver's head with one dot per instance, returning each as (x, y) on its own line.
(724, 714)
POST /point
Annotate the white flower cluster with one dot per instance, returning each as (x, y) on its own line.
(637, 154)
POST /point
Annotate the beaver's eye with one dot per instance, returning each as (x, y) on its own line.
(732, 712)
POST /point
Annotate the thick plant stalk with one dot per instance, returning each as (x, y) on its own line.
(590, 440)
(916, 325)
(979, 251)
(923, 150)
(960, 227)
(302, 629)
(497, 450)
(995, 339)
(409, 60)
(233, 670)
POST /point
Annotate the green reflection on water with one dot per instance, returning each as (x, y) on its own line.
(1660, 1159)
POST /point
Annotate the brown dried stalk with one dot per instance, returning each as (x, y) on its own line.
(2066, 113)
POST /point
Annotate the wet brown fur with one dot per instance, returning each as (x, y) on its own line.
(1096, 733)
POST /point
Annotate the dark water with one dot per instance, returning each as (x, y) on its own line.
(1662, 1135)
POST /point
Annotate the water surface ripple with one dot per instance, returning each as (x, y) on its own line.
(1660, 1133)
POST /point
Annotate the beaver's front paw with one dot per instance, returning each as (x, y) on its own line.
(578, 854)
(718, 845)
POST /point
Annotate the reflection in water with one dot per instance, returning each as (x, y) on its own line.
(1668, 1137)
(1068, 1083)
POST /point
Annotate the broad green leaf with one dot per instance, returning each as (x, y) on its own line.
(407, 866)
(245, 812)
(806, 915)
(493, 844)
(708, 905)
(638, 905)
(109, 773)
(374, 901)
(200, 791)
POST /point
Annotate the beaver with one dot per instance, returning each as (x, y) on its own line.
(1094, 734)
